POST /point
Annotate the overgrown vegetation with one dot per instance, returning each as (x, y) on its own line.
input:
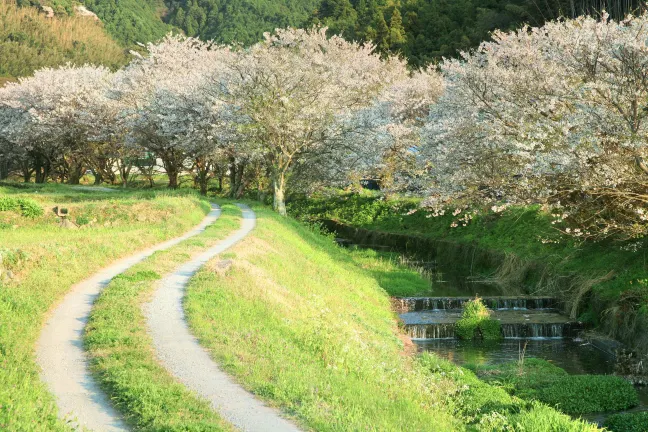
(630, 422)
(45, 260)
(307, 326)
(30, 41)
(27, 207)
(120, 347)
(476, 322)
(536, 379)
(132, 21)
(491, 408)
(605, 277)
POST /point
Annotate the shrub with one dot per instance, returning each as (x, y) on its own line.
(8, 204)
(541, 418)
(582, 394)
(491, 409)
(476, 323)
(28, 208)
(630, 422)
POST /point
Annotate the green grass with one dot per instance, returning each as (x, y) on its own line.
(536, 379)
(307, 326)
(47, 260)
(617, 303)
(491, 408)
(121, 350)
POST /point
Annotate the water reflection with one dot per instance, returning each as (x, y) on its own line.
(576, 357)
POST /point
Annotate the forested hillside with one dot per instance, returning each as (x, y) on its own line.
(131, 21)
(422, 30)
(238, 20)
(426, 30)
(29, 41)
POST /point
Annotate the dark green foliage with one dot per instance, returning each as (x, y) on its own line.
(27, 207)
(131, 21)
(581, 394)
(476, 323)
(535, 379)
(494, 410)
(242, 21)
(433, 29)
(632, 422)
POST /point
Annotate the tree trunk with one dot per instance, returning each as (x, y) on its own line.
(97, 177)
(279, 186)
(232, 177)
(75, 172)
(27, 173)
(172, 172)
(4, 169)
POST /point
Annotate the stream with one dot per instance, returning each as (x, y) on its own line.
(532, 326)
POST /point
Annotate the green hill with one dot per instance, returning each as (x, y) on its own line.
(29, 40)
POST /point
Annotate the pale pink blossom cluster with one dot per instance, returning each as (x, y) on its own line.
(554, 115)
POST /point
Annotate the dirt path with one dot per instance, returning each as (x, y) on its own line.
(60, 352)
(179, 351)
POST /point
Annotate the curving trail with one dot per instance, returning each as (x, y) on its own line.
(179, 351)
(60, 352)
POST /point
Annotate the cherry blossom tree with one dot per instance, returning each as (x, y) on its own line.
(167, 108)
(291, 87)
(52, 116)
(552, 115)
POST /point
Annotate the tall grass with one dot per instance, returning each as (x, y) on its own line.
(30, 41)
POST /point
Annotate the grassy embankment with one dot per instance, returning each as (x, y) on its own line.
(307, 326)
(41, 261)
(606, 280)
(121, 349)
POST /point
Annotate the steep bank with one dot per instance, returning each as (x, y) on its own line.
(307, 326)
(603, 284)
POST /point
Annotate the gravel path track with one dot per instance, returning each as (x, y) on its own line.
(60, 351)
(181, 354)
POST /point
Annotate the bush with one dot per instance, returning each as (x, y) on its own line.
(491, 409)
(582, 394)
(476, 323)
(631, 422)
(8, 204)
(28, 208)
(537, 379)
(541, 418)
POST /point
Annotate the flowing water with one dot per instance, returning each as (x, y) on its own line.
(532, 326)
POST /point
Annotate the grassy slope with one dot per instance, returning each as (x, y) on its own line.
(55, 260)
(29, 41)
(307, 326)
(516, 231)
(116, 337)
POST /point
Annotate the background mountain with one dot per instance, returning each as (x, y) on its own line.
(424, 31)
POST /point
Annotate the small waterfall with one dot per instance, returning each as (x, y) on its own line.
(540, 330)
(416, 304)
(430, 331)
